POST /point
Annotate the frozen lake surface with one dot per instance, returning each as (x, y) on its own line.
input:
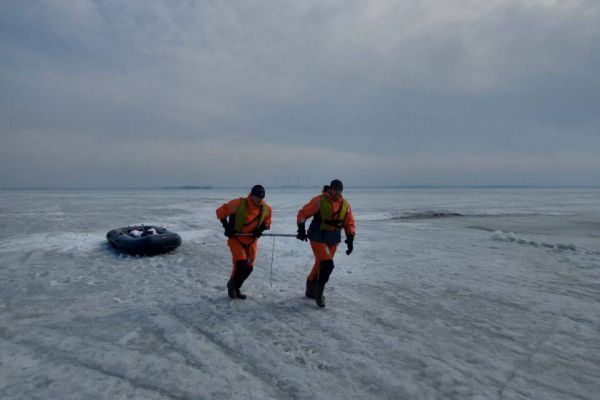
(449, 294)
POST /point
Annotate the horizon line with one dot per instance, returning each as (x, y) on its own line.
(400, 186)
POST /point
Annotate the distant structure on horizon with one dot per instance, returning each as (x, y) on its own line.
(188, 187)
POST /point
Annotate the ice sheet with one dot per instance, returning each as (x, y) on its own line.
(427, 307)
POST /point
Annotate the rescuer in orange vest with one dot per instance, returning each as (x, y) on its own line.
(250, 216)
(330, 213)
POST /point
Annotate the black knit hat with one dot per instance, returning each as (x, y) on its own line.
(336, 184)
(258, 191)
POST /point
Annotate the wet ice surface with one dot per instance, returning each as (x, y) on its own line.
(431, 305)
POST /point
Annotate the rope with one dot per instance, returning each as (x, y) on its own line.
(272, 256)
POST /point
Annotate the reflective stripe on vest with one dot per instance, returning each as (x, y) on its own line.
(240, 215)
(328, 218)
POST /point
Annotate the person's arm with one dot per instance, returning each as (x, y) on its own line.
(267, 221)
(350, 229)
(309, 209)
(225, 211)
(266, 224)
(349, 223)
(306, 212)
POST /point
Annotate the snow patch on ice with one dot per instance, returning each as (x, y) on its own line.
(429, 214)
(75, 242)
(63, 242)
(195, 235)
(373, 217)
(511, 237)
(130, 337)
(442, 214)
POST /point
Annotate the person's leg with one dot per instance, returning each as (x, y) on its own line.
(321, 251)
(319, 275)
(243, 271)
(333, 249)
(251, 252)
(246, 268)
(241, 268)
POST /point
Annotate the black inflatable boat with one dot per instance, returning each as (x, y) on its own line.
(143, 240)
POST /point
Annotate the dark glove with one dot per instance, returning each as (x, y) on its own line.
(302, 233)
(229, 228)
(259, 231)
(350, 242)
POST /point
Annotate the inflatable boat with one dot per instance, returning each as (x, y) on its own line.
(143, 240)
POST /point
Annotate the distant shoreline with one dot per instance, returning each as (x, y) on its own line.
(208, 187)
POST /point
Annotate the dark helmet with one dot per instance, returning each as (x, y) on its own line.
(336, 184)
(258, 191)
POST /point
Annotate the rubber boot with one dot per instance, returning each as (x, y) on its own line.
(240, 274)
(239, 294)
(231, 290)
(319, 298)
(326, 266)
(243, 270)
(310, 289)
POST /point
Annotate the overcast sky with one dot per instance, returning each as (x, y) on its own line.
(223, 93)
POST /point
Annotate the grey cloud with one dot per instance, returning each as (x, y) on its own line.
(356, 88)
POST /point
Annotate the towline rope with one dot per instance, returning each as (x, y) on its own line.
(272, 256)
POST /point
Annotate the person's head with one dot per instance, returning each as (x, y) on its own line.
(335, 188)
(257, 193)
